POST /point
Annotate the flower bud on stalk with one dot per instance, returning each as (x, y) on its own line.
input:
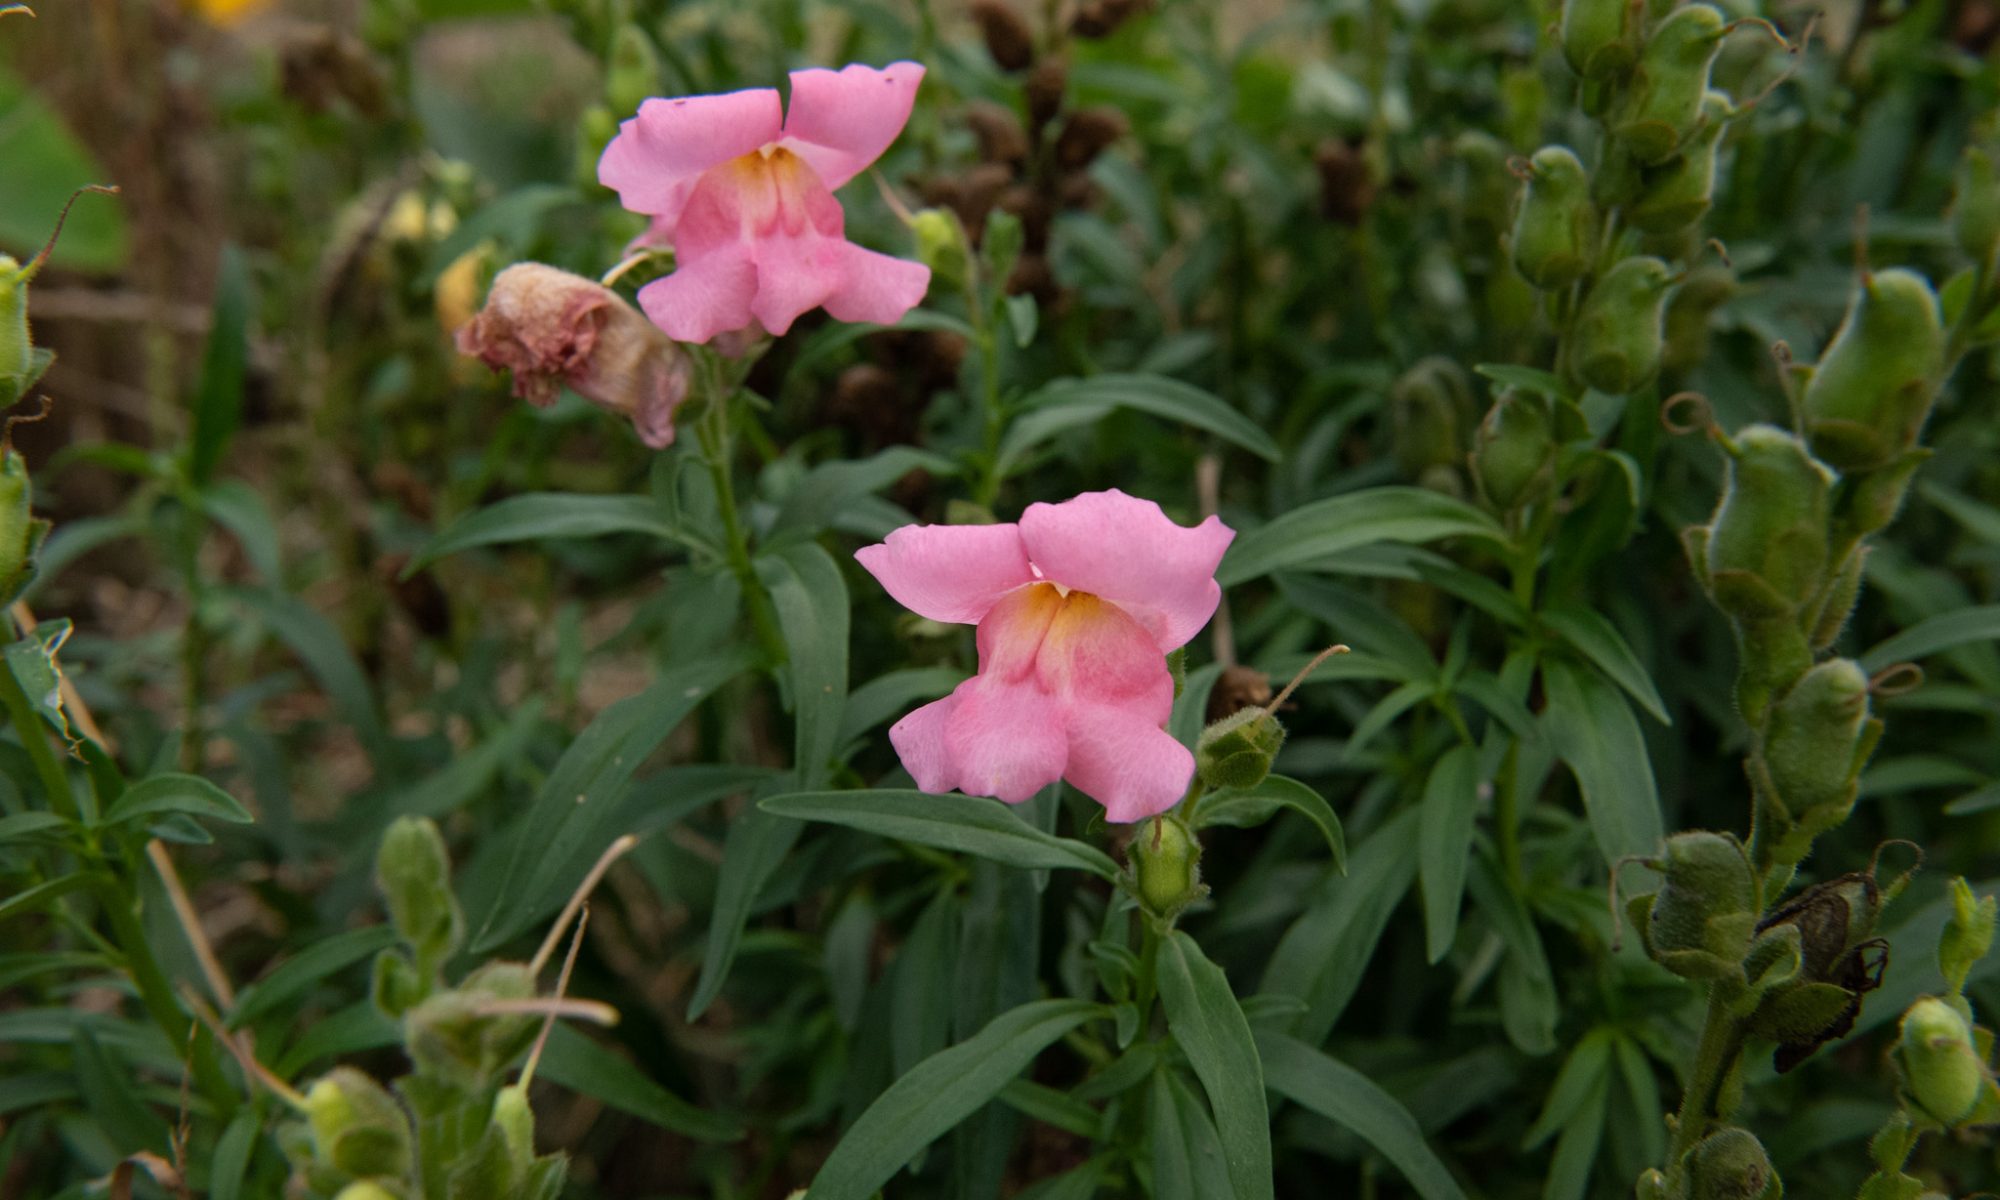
(1617, 340)
(357, 1126)
(414, 876)
(1555, 231)
(1975, 206)
(1867, 399)
(1166, 857)
(1967, 936)
(552, 328)
(1598, 36)
(1730, 1164)
(1943, 1072)
(1699, 923)
(1431, 411)
(451, 1037)
(1680, 191)
(1819, 737)
(1664, 106)
(1237, 751)
(1513, 453)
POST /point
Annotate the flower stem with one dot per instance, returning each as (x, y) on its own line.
(1721, 1041)
(717, 448)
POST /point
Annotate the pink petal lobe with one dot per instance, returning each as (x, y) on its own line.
(950, 573)
(798, 244)
(658, 155)
(876, 287)
(841, 121)
(1004, 739)
(919, 742)
(705, 296)
(1096, 653)
(1011, 634)
(1125, 762)
(1125, 549)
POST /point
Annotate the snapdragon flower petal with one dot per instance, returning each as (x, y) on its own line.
(841, 121)
(657, 156)
(1126, 549)
(1127, 763)
(950, 573)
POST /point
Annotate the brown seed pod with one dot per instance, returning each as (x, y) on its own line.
(1085, 135)
(1035, 210)
(1045, 89)
(1346, 186)
(1008, 38)
(1032, 276)
(1238, 688)
(1001, 137)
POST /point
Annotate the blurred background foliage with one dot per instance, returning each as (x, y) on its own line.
(1297, 207)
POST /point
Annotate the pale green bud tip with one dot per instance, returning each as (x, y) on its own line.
(1941, 1067)
(941, 244)
(1167, 860)
(365, 1190)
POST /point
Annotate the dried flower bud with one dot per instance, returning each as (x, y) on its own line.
(1730, 1164)
(1677, 193)
(1619, 333)
(1663, 107)
(552, 328)
(1008, 38)
(1086, 134)
(1975, 206)
(998, 129)
(1943, 1072)
(1555, 231)
(1346, 182)
(1599, 37)
(1238, 688)
(1513, 454)
(1236, 752)
(1699, 923)
(1045, 88)
(1167, 860)
(1872, 390)
(1819, 737)
(1840, 961)
(357, 1126)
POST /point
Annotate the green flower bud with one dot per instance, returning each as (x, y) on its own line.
(633, 74)
(395, 985)
(1663, 107)
(20, 532)
(1730, 1164)
(1555, 231)
(1431, 409)
(1514, 452)
(1618, 333)
(1967, 936)
(1678, 192)
(448, 1037)
(367, 1189)
(1975, 206)
(1819, 737)
(942, 245)
(1766, 549)
(1869, 395)
(516, 1122)
(1167, 860)
(1599, 36)
(1237, 751)
(357, 1126)
(1700, 921)
(15, 346)
(1940, 1067)
(414, 875)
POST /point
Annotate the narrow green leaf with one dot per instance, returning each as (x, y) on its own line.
(580, 1064)
(1643, 1091)
(757, 843)
(1077, 1183)
(1599, 641)
(552, 845)
(218, 401)
(811, 599)
(175, 793)
(1246, 808)
(1581, 1073)
(324, 651)
(237, 507)
(828, 489)
(1089, 399)
(42, 893)
(356, 1029)
(307, 969)
(1326, 528)
(892, 695)
(1593, 730)
(1444, 842)
(1384, 714)
(1576, 1150)
(1941, 632)
(230, 1162)
(1187, 1158)
(938, 1093)
(22, 826)
(106, 1086)
(1038, 1102)
(1209, 1027)
(1345, 1096)
(964, 824)
(543, 515)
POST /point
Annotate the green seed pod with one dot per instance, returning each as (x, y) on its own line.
(1514, 452)
(1871, 499)
(1767, 545)
(1700, 921)
(1663, 107)
(1819, 737)
(1730, 1164)
(448, 1037)
(1975, 206)
(1691, 311)
(1167, 860)
(357, 1126)
(1967, 936)
(1555, 230)
(414, 875)
(633, 74)
(1236, 751)
(1599, 36)
(1868, 397)
(1839, 599)
(1941, 1069)
(1431, 412)
(1619, 332)
(1679, 192)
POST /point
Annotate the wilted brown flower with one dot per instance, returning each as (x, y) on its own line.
(1085, 135)
(552, 328)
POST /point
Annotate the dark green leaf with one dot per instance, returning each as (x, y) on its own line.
(580, 1064)
(1248, 808)
(1597, 640)
(1324, 529)
(811, 599)
(964, 824)
(1593, 730)
(543, 515)
(757, 843)
(308, 969)
(892, 695)
(1208, 1024)
(819, 498)
(230, 1162)
(1444, 841)
(172, 793)
(218, 401)
(320, 646)
(1068, 403)
(1582, 1072)
(1941, 632)
(1187, 1156)
(1346, 1097)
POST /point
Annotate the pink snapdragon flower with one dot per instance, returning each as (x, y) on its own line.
(744, 192)
(1077, 606)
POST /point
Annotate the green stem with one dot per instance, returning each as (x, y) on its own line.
(1507, 817)
(717, 449)
(1149, 969)
(1721, 1042)
(34, 738)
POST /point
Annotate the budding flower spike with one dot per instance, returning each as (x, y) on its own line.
(1077, 606)
(743, 191)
